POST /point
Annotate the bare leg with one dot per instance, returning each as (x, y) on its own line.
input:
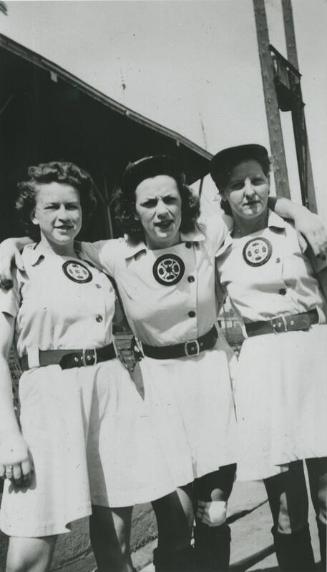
(30, 554)
(110, 531)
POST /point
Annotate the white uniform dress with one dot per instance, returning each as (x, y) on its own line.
(169, 297)
(85, 427)
(281, 388)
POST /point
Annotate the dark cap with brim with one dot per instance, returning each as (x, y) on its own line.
(223, 162)
(149, 167)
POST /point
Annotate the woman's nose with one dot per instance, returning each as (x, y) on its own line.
(248, 187)
(161, 208)
(63, 212)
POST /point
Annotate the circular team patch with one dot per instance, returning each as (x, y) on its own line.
(257, 251)
(168, 269)
(76, 271)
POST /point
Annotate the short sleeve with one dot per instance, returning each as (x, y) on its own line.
(216, 233)
(9, 300)
(99, 253)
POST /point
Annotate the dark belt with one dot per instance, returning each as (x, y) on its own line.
(72, 358)
(189, 348)
(282, 324)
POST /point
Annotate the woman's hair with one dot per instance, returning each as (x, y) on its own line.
(223, 163)
(124, 198)
(65, 173)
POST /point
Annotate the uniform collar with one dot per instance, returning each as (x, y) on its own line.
(133, 250)
(275, 222)
(38, 252)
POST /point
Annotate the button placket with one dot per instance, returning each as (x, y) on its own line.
(190, 271)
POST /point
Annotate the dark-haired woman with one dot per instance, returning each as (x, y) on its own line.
(281, 389)
(82, 444)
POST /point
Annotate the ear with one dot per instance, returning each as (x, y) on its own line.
(34, 219)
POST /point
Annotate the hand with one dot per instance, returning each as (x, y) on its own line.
(314, 230)
(16, 462)
(9, 253)
(212, 513)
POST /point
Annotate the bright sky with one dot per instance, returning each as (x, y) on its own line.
(190, 65)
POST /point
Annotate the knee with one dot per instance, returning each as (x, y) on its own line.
(32, 554)
(20, 562)
(289, 524)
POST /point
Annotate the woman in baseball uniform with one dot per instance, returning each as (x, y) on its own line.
(82, 443)
(281, 389)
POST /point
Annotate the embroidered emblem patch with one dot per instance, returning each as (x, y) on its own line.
(168, 269)
(76, 271)
(257, 251)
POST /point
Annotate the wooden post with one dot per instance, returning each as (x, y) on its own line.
(298, 117)
(271, 103)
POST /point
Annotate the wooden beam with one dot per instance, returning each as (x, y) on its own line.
(298, 116)
(272, 110)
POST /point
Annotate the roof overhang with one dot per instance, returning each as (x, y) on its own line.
(51, 114)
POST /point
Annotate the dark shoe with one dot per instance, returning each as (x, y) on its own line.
(212, 548)
(322, 532)
(294, 551)
(178, 561)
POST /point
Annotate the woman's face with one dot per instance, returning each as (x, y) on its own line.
(247, 190)
(158, 206)
(58, 213)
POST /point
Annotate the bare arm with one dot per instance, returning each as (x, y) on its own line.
(10, 253)
(15, 460)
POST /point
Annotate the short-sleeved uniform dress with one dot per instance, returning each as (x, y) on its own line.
(85, 427)
(281, 388)
(169, 298)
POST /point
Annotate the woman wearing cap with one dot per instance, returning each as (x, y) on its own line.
(165, 272)
(281, 389)
(82, 443)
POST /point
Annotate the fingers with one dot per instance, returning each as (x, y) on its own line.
(19, 474)
(27, 470)
(318, 241)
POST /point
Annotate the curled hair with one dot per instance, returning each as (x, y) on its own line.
(65, 173)
(124, 212)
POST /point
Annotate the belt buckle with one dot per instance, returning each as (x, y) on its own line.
(89, 357)
(279, 325)
(192, 348)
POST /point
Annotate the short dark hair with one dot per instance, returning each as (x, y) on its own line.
(134, 174)
(59, 172)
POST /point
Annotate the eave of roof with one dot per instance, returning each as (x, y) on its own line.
(45, 64)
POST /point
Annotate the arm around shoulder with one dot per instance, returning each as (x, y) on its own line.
(9, 253)
(307, 223)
